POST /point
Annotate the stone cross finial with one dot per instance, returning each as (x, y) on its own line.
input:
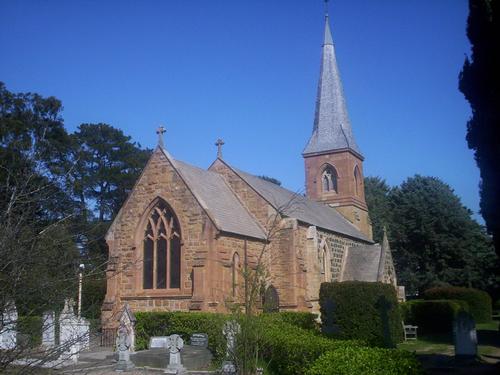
(219, 145)
(160, 131)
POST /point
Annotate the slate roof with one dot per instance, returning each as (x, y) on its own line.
(303, 209)
(332, 128)
(220, 202)
(362, 263)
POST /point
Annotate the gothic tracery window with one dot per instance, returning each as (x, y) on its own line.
(162, 250)
(329, 180)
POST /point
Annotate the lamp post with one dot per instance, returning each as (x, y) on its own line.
(80, 279)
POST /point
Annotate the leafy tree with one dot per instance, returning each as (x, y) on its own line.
(107, 164)
(480, 83)
(435, 239)
(37, 248)
(377, 198)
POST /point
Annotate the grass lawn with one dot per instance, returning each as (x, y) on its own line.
(488, 340)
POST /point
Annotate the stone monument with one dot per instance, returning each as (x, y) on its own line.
(73, 330)
(127, 318)
(199, 339)
(230, 330)
(123, 344)
(48, 329)
(464, 329)
(8, 331)
(175, 343)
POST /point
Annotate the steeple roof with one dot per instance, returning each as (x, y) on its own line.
(332, 128)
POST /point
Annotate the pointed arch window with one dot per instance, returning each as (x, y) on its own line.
(325, 263)
(235, 269)
(357, 180)
(162, 250)
(329, 180)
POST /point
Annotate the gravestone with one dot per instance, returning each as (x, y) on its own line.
(8, 331)
(230, 330)
(271, 300)
(123, 343)
(127, 318)
(48, 329)
(328, 326)
(464, 329)
(175, 343)
(73, 331)
(158, 342)
(199, 339)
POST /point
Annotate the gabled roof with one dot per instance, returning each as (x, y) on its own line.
(216, 197)
(362, 263)
(332, 128)
(303, 209)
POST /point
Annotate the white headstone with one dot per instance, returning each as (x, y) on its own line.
(175, 343)
(8, 332)
(158, 342)
(73, 331)
(48, 329)
(464, 329)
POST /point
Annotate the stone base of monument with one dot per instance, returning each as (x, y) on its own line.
(228, 368)
(122, 366)
(193, 358)
(175, 370)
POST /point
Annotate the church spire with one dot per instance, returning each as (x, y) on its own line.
(332, 128)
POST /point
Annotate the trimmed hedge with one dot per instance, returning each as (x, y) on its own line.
(183, 323)
(361, 310)
(302, 320)
(432, 316)
(479, 302)
(366, 361)
(290, 350)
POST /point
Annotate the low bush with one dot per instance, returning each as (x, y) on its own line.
(361, 310)
(183, 323)
(432, 316)
(479, 302)
(302, 320)
(366, 361)
(290, 350)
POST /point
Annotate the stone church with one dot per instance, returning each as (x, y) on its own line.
(184, 235)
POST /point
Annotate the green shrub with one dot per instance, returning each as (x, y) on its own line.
(361, 310)
(479, 302)
(290, 350)
(432, 316)
(366, 361)
(304, 320)
(183, 323)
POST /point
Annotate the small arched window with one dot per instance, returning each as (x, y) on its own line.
(357, 180)
(329, 180)
(325, 263)
(235, 269)
(162, 250)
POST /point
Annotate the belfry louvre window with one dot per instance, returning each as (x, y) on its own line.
(162, 250)
(329, 180)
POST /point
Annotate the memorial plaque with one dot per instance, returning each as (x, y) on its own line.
(158, 342)
(199, 339)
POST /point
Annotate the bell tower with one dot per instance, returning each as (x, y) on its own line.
(333, 160)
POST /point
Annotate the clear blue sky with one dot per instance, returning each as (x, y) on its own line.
(247, 71)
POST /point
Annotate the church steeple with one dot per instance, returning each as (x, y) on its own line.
(332, 128)
(333, 160)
